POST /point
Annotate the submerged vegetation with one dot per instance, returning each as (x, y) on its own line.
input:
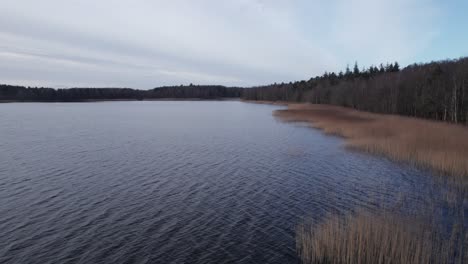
(440, 146)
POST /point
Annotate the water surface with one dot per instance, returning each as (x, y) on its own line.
(174, 182)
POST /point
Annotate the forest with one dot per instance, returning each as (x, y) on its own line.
(20, 93)
(436, 90)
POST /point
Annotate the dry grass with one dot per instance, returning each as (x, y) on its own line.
(390, 237)
(440, 146)
(374, 239)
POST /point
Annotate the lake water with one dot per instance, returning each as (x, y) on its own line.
(174, 182)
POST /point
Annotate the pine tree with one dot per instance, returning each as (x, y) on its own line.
(388, 67)
(356, 70)
(347, 72)
(382, 68)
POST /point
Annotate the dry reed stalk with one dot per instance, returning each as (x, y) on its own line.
(440, 146)
(373, 239)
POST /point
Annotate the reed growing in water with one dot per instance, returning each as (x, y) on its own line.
(380, 238)
(440, 146)
(390, 237)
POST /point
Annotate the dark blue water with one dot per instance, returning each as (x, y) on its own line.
(174, 182)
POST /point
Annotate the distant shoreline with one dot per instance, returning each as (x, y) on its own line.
(267, 102)
(9, 93)
(119, 100)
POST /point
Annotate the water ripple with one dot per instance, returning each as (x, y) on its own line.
(175, 182)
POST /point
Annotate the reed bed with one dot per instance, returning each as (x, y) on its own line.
(367, 238)
(440, 146)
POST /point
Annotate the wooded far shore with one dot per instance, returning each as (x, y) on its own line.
(436, 90)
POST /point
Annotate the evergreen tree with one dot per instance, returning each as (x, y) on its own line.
(356, 70)
(347, 72)
(382, 68)
(389, 67)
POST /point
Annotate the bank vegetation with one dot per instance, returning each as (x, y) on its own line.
(436, 90)
(381, 238)
(442, 147)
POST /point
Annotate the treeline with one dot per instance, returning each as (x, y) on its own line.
(20, 93)
(195, 91)
(436, 90)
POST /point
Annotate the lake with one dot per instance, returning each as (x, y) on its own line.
(176, 182)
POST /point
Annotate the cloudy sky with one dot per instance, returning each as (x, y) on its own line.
(149, 43)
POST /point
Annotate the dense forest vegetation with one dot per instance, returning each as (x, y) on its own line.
(195, 91)
(436, 90)
(20, 93)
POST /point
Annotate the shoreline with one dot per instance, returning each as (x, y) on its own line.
(441, 147)
(120, 100)
(415, 238)
(265, 102)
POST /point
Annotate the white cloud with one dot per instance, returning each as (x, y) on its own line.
(376, 31)
(146, 43)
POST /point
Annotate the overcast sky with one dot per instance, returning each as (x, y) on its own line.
(149, 43)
